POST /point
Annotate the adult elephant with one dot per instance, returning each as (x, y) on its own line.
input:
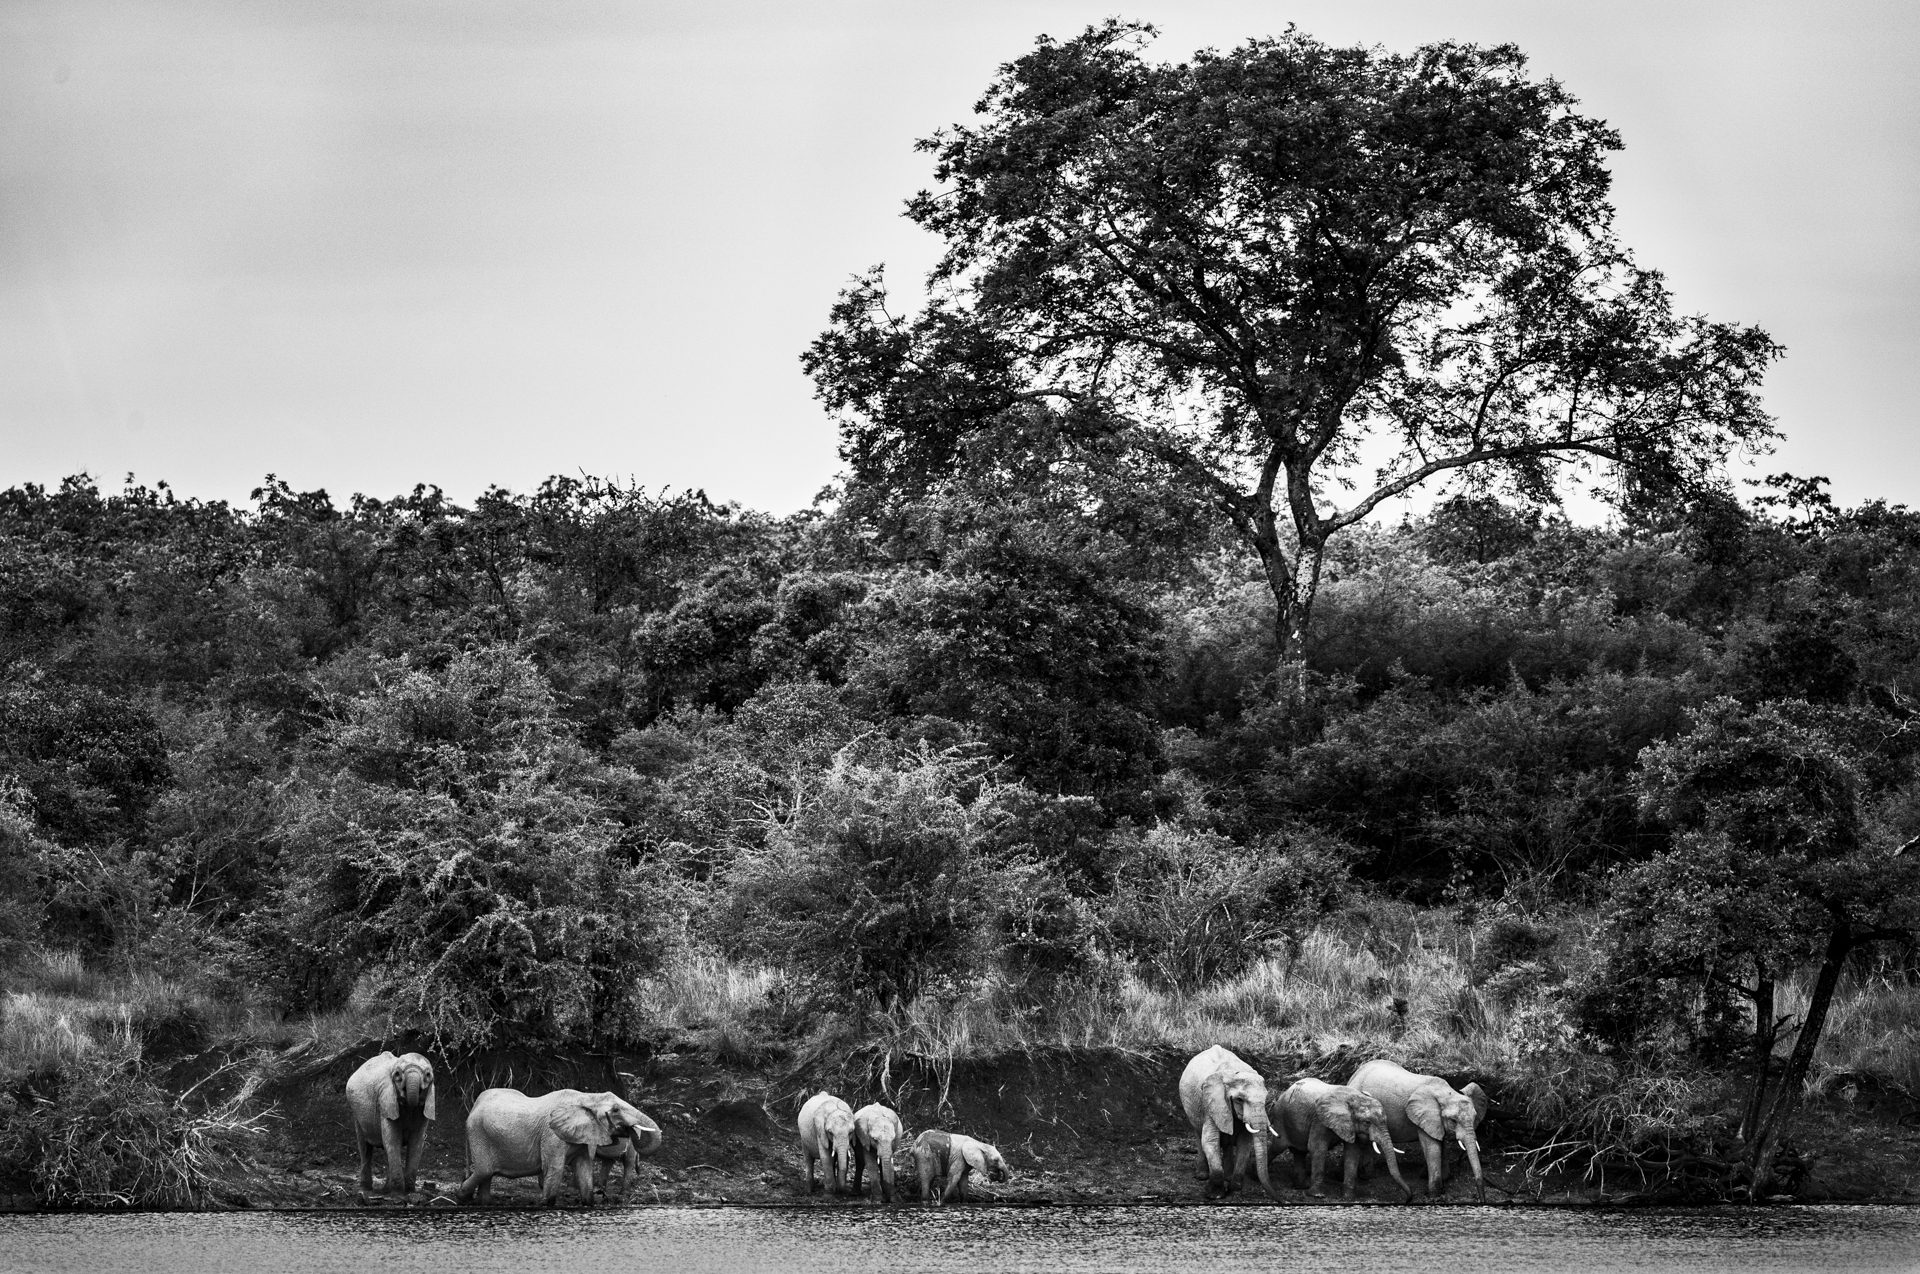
(1313, 1114)
(1225, 1097)
(641, 1138)
(1428, 1109)
(391, 1101)
(876, 1134)
(826, 1132)
(510, 1134)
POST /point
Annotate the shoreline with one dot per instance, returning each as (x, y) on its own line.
(1010, 1205)
(1081, 1128)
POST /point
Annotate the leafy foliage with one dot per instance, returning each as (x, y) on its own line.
(879, 885)
(458, 849)
(1251, 262)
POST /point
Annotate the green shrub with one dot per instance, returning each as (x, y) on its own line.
(877, 887)
(452, 845)
(1190, 907)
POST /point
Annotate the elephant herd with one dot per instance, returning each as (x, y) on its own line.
(1384, 1103)
(853, 1143)
(509, 1134)
(572, 1133)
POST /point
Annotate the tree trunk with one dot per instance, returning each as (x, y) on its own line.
(1294, 586)
(1764, 1146)
(1765, 1033)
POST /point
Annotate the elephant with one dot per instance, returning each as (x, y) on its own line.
(951, 1156)
(826, 1132)
(1225, 1097)
(1428, 1108)
(642, 1138)
(1312, 1113)
(391, 1099)
(876, 1131)
(510, 1134)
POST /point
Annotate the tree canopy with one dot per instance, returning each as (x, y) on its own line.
(1267, 267)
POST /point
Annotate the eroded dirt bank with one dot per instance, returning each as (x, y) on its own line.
(1075, 1126)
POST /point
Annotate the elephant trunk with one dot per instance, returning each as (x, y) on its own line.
(414, 1095)
(842, 1167)
(1260, 1138)
(1383, 1142)
(646, 1137)
(1472, 1146)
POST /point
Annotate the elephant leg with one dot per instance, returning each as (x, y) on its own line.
(1435, 1173)
(1242, 1160)
(1318, 1142)
(1210, 1155)
(957, 1183)
(629, 1169)
(366, 1163)
(811, 1185)
(416, 1151)
(1300, 1177)
(553, 1172)
(392, 1140)
(583, 1177)
(480, 1180)
(859, 1167)
(1350, 1175)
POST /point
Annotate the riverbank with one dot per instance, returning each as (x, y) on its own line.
(1080, 1099)
(1082, 1126)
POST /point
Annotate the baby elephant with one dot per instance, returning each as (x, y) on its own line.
(953, 1155)
(641, 1138)
(876, 1131)
(826, 1132)
(1312, 1114)
(391, 1099)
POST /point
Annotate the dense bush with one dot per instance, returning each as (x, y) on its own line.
(877, 886)
(451, 844)
(1190, 907)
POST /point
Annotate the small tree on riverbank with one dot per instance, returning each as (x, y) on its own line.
(1776, 866)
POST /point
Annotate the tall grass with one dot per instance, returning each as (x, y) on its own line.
(1872, 1032)
(86, 1119)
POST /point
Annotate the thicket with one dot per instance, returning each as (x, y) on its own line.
(494, 767)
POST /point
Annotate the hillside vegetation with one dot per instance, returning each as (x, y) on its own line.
(599, 764)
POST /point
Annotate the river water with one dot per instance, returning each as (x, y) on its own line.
(976, 1240)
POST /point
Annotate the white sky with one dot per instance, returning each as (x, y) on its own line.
(363, 245)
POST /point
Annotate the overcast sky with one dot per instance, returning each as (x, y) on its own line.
(367, 244)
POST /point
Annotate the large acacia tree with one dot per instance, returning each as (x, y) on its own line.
(1254, 264)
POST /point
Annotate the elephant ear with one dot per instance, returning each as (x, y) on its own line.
(1219, 1109)
(1423, 1108)
(1337, 1114)
(429, 1112)
(975, 1156)
(1478, 1096)
(580, 1124)
(390, 1094)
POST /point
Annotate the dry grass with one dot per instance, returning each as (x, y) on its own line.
(1873, 1030)
(701, 990)
(92, 1125)
(1337, 995)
